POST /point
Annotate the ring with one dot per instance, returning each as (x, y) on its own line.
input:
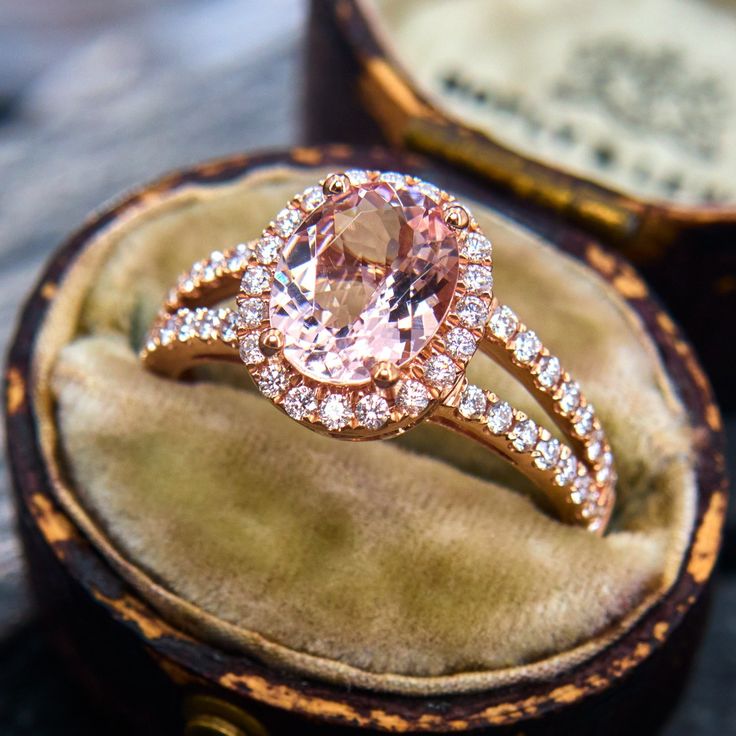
(356, 313)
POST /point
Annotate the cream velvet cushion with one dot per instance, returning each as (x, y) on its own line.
(412, 565)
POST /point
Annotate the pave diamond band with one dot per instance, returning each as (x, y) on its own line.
(356, 313)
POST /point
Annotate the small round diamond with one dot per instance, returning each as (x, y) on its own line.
(213, 266)
(581, 488)
(252, 312)
(256, 280)
(335, 412)
(460, 343)
(526, 346)
(478, 278)
(372, 411)
(503, 323)
(300, 402)
(476, 247)
(238, 258)
(440, 371)
(472, 311)
(287, 221)
(429, 190)
(393, 178)
(228, 325)
(357, 176)
(500, 417)
(206, 323)
(569, 396)
(250, 350)
(272, 381)
(312, 198)
(584, 421)
(413, 398)
(549, 371)
(595, 448)
(524, 435)
(169, 331)
(268, 248)
(548, 454)
(473, 402)
(566, 470)
(186, 327)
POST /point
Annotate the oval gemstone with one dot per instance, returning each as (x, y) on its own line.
(368, 277)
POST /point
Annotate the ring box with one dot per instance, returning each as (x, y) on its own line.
(625, 133)
(125, 536)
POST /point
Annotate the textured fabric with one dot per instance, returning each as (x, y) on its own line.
(413, 564)
(631, 94)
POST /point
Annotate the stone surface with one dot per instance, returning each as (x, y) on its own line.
(368, 277)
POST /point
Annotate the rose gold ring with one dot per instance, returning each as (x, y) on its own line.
(356, 313)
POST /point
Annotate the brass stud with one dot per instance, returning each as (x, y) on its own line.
(457, 217)
(336, 184)
(385, 374)
(271, 341)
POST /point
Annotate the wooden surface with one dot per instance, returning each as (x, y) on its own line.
(93, 101)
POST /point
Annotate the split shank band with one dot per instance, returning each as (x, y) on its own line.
(356, 313)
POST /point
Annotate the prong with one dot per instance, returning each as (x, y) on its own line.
(457, 217)
(271, 341)
(385, 374)
(336, 184)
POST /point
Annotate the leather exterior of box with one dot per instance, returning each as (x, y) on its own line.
(687, 253)
(156, 679)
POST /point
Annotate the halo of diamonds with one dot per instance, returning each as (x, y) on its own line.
(380, 410)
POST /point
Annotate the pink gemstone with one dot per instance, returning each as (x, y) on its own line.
(369, 276)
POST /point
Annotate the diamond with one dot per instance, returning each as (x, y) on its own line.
(476, 247)
(206, 324)
(372, 411)
(394, 179)
(548, 454)
(169, 331)
(440, 371)
(228, 325)
(460, 343)
(312, 198)
(473, 402)
(500, 417)
(472, 311)
(549, 371)
(503, 323)
(580, 489)
(584, 421)
(250, 350)
(603, 475)
(429, 190)
(357, 176)
(524, 435)
(186, 326)
(368, 277)
(478, 278)
(252, 312)
(335, 412)
(300, 402)
(287, 221)
(595, 448)
(413, 398)
(273, 380)
(569, 396)
(238, 258)
(267, 249)
(526, 346)
(256, 280)
(213, 267)
(566, 470)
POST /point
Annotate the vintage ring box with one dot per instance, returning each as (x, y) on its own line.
(618, 118)
(207, 566)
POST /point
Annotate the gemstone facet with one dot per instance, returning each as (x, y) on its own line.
(369, 276)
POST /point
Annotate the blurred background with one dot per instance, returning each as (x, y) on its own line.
(96, 97)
